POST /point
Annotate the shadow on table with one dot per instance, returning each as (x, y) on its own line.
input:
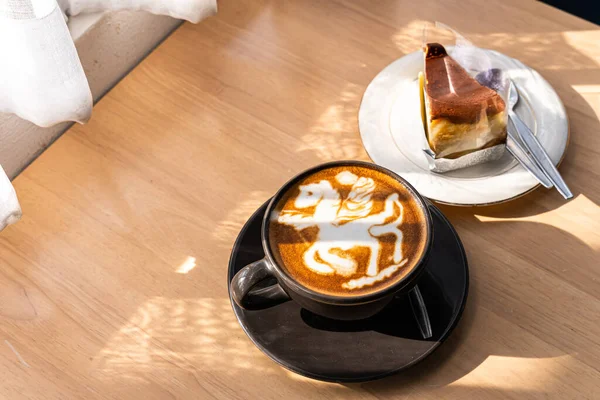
(528, 314)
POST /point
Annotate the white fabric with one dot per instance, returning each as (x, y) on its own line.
(41, 77)
(190, 10)
(26, 9)
(10, 210)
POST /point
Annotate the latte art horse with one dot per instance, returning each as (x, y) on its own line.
(345, 224)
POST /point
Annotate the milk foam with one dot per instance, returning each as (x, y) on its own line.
(345, 224)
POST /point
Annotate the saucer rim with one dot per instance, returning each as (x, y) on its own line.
(435, 345)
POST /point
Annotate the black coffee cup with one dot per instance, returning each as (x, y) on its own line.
(336, 307)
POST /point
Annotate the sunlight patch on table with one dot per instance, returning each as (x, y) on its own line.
(174, 336)
(585, 41)
(579, 210)
(228, 229)
(585, 89)
(570, 50)
(342, 389)
(530, 374)
(409, 37)
(591, 95)
(186, 266)
(335, 135)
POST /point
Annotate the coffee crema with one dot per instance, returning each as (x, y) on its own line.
(348, 231)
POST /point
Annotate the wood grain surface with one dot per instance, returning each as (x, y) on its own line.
(114, 283)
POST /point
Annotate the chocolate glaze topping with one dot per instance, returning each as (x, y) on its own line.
(452, 93)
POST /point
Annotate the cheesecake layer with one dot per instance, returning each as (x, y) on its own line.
(452, 140)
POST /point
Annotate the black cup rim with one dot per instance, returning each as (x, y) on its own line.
(300, 289)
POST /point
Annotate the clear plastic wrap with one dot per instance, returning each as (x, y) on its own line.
(462, 101)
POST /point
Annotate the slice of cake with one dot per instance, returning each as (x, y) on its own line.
(461, 115)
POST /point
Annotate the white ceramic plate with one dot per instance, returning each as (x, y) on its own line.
(391, 129)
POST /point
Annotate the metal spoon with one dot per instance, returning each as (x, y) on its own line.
(533, 145)
(494, 79)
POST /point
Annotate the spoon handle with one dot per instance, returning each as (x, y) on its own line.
(514, 146)
(540, 155)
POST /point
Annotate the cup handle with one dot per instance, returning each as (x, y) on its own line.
(246, 278)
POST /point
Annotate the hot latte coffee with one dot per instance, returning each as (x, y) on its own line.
(348, 231)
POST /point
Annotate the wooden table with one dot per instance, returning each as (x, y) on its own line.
(114, 283)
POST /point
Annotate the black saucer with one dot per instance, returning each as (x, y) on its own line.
(357, 351)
